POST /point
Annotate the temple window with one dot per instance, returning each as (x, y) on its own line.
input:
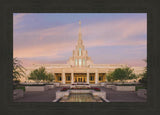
(59, 78)
(80, 62)
(83, 61)
(91, 78)
(79, 51)
(100, 78)
(68, 78)
(76, 61)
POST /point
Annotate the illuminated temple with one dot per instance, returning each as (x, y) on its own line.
(80, 67)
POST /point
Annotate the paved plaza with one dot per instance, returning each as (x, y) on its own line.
(122, 96)
(111, 95)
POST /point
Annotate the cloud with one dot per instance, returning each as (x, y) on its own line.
(56, 41)
(27, 62)
(17, 18)
(119, 32)
(53, 50)
(134, 62)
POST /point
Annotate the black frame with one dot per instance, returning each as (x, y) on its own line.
(82, 6)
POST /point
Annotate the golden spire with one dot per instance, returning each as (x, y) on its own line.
(79, 26)
(80, 34)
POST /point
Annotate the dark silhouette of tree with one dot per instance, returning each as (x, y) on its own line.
(144, 77)
(18, 69)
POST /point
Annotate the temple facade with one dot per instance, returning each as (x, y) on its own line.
(80, 67)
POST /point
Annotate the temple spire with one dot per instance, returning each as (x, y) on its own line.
(80, 33)
(79, 26)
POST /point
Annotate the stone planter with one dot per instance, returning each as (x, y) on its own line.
(103, 84)
(142, 93)
(79, 86)
(18, 93)
(60, 94)
(101, 94)
(56, 84)
(64, 85)
(50, 86)
(110, 86)
(35, 88)
(124, 88)
(80, 91)
(94, 85)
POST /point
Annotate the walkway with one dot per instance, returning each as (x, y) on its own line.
(122, 96)
(112, 96)
(46, 96)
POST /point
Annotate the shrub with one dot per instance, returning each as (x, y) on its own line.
(144, 79)
(97, 89)
(80, 88)
(23, 88)
(64, 89)
(125, 84)
(33, 85)
(140, 87)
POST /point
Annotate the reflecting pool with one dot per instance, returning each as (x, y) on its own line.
(80, 97)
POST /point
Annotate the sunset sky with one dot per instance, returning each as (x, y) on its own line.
(110, 38)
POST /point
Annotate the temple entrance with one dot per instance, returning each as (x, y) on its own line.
(80, 77)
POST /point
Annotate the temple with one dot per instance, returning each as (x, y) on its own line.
(80, 67)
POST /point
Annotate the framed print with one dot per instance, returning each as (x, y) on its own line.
(86, 58)
(43, 72)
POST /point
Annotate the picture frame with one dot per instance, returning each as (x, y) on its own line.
(36, 6)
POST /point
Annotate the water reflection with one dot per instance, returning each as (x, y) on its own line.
(81, 97)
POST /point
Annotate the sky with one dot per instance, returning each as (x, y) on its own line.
(109, 38)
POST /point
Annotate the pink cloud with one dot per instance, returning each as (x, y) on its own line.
(135, 62)
(115, 33)
(51, 49)
(30, 62)
(56, 41)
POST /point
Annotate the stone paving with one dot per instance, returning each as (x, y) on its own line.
(111, 95)
(46, 96)
(122, 96)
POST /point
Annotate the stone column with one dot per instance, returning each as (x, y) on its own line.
(87, 77)
(63, 77)
(96, 77)
(72, 80)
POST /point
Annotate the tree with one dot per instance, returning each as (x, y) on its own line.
(109, 77)
(122, 74)
(18, 69)
(144, 77)
(50, 77)
(41, 74)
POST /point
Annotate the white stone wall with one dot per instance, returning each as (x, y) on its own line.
(124, 88)
(60, 94)
(101, 68)
(35, 88)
